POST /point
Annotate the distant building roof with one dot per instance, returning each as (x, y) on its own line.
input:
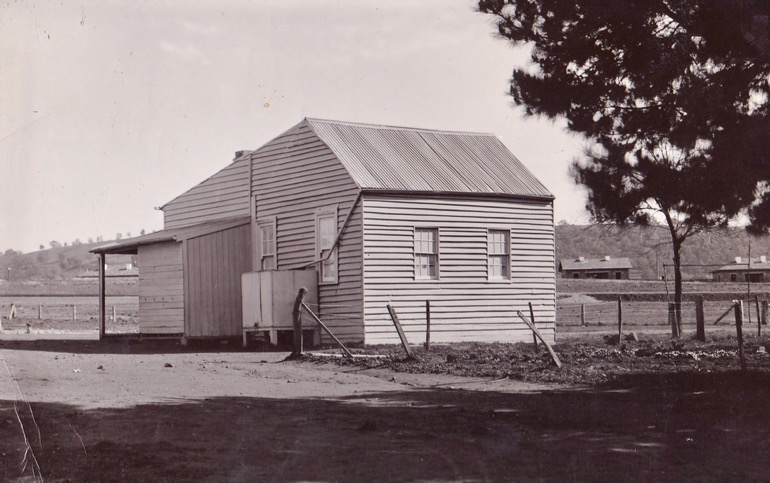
(408, 159)
(117, 271)
(742, 264)
(605, 263)
(130, 245)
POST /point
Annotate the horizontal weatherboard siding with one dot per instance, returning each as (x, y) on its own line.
(465, 304)
(293, 176)
(161, 289)
(223, 195)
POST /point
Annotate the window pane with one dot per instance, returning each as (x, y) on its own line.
(268, 263)
(426, 253)
(329, 268)
(326, 227)
(499, 254)
(267, 246)
(327, 233)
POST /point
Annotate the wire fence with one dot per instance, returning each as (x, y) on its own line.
(647, 313)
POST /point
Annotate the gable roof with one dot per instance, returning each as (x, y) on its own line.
(759, 263)
(595, 263)
(130, 245)
(421, 160)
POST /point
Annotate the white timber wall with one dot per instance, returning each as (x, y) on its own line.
(161, 289)
(223, 195)
(293, 176)
(465, 305)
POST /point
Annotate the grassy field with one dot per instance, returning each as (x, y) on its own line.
(49, 305)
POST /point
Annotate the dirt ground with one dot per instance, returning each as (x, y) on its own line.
(155, 411)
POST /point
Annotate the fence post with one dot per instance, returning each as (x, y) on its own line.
(74, 312)
(297, 315)
(114, 315)
(700, 322)
(427, 325)
(759, 316)
(739, 331)
(532, 318)
(39, 312)
(583, 315)
(620, 321)
(764, 312)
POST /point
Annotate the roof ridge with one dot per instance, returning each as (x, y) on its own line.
(398, 128)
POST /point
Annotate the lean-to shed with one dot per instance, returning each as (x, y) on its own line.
(190, 277)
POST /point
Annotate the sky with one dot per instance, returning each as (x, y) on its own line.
(110, 108)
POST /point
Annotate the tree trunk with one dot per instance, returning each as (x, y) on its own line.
(677, 247)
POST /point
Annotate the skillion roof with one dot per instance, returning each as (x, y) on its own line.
(130, 245)
(606, 263)
(419, 160)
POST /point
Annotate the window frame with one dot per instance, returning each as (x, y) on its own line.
(321, 213)
(436, 254)
(268, 223)
(506, 256)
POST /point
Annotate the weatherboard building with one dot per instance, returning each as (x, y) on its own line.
(363, 216)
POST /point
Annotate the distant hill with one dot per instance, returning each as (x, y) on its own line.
(58, 263)
(647, 245)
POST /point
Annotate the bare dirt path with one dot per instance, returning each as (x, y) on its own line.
(111, 411)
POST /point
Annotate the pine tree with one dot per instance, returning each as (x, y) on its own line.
(672, 97)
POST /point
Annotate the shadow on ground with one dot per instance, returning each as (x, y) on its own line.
(131, 344)
(695, 427)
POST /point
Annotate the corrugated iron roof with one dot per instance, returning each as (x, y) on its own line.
(130, 245)
(595, 263)
(408, 159)
(759, 263)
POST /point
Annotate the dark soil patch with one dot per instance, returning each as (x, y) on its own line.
(588, 361)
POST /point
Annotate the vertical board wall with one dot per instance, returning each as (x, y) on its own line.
(161, 288)
(214, 264)
(465, 305)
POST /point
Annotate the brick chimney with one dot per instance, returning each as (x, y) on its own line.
(240, 154)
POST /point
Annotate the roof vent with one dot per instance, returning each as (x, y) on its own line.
(737, 259)
(581, 259)
(762, 259)
(606, 258)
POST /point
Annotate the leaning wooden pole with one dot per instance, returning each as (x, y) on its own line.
(727, 312)
(542, 339)
(323, 326)
(400, 331)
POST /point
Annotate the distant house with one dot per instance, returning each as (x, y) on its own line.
(739, 270)
(377, 215)
(127, 271)
(596, 268)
